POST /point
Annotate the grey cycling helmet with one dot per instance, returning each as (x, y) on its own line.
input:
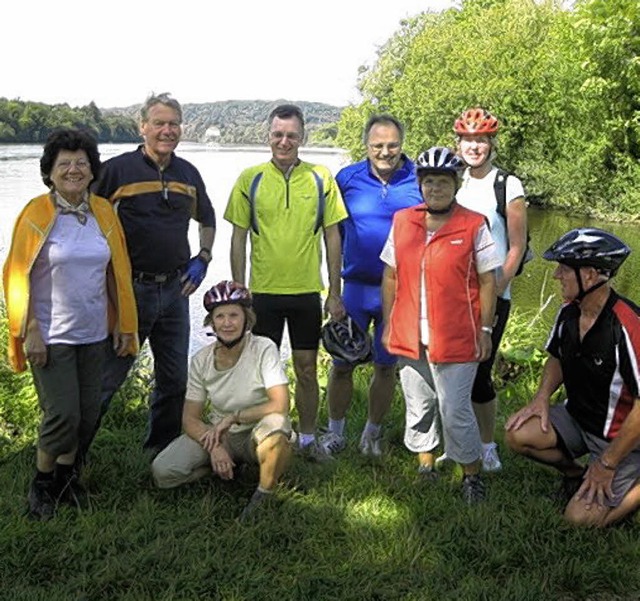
(439, 159)
(347, 341)
(589, 247)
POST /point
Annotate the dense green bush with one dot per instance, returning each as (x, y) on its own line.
(564, 82)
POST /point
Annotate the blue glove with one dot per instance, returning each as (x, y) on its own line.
(195, 271)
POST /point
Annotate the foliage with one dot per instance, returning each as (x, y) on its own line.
(564, 83)
(31, 122)
(245, 121)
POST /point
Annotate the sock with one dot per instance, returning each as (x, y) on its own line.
(372, 430)
(263, 491)
(337, 426)
(306, 439)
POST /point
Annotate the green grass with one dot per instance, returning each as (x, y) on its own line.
(351, 530)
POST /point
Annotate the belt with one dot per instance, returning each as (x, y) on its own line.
(155, 278)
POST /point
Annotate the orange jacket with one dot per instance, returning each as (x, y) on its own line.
(451, 282)
(29, 234)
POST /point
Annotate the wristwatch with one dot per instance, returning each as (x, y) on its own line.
(205, 254)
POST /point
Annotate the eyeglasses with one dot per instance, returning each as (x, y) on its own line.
(78, 163)
(289, 135)
(391, 147)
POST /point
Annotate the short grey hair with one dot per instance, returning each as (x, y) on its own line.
(164, 98)
(382, 119)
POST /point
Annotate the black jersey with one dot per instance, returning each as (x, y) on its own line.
(600, 372)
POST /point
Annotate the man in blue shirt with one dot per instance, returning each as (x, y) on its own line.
(373, 190)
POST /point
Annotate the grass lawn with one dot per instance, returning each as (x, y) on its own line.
(350, 530)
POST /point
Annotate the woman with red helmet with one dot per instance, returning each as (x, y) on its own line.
(439, 276)
(476, 131)
(240, 380)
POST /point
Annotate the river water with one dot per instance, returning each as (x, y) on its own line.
(219, 167)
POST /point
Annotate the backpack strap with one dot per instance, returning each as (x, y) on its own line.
(500, 190)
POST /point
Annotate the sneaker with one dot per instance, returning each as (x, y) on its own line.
(315, 453)
(333, 443)
(427, 473)
(256, 502)
(371, 446)
(473, 490)
(42, 499)
(490, 460)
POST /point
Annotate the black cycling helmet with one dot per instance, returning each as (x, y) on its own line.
(345, 340)
(589, 247)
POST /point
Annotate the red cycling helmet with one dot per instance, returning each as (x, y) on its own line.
(226, 293)
(475, 122)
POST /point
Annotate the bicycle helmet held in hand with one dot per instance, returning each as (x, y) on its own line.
(439, 159)
(589, 247)
(226, 293)
(476, 122)
(345, 340)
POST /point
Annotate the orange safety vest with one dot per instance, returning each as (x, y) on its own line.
(451, 283)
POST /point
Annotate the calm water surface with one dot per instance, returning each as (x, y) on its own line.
(219, 167)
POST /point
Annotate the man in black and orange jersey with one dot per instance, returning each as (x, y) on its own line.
(156, 195)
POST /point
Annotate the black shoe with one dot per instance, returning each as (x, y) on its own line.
(70, 491)
(42, 499)
(473, 490)
(567, 488)
(256, 502)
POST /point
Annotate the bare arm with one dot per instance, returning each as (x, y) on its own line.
(239, 254)
(551, 380)
(192, 423)
(517, 234)
(207, 237)
(487, 282)
(333, 244)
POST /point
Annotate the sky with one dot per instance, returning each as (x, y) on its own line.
(116, 53)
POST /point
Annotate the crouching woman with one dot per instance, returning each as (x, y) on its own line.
(240, 379)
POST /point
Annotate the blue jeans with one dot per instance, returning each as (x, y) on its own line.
(163, 318)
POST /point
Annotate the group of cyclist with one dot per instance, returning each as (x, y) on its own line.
(424, 252)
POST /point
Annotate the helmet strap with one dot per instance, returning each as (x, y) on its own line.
(581, 291)
(231, 343)
(439, 211)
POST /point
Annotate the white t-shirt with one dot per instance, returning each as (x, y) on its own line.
(486, 260)
(478, 194)
(69, 282)
(244, 385)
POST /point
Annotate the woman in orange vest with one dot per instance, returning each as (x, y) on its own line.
(439, 295)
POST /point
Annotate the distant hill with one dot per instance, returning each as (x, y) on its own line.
(245, 121)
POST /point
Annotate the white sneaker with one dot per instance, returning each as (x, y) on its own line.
(371, 446)
(490, 460)
(332, 442)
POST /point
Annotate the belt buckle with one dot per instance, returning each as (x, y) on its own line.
(160, 278)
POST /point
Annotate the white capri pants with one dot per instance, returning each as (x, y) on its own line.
(184, 460)
(438, 399)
